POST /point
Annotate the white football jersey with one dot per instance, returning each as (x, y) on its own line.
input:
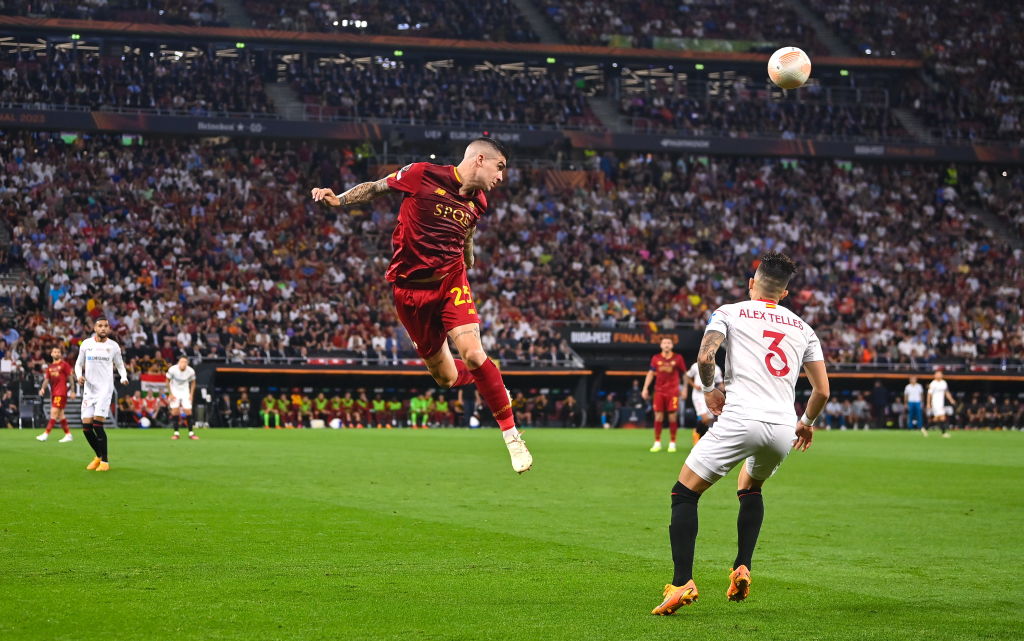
(937, 392)
(694, 374)
(914, 393)
(766, 346)
(181, 380)
(97, 361)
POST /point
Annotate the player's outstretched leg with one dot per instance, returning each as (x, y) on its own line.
(446, 371)
(682, 531)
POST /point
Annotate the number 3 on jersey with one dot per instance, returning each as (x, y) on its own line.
(775, 350)
(462, 296)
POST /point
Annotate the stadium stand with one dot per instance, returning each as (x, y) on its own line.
(972, 51)
(192, 81)
(455, 94)
(655, 23)
(498, 20)
(207, 249)
(184, 12)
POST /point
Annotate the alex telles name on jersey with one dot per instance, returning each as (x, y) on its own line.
(768, 316)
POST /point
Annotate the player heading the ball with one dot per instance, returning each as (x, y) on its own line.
(433, 249)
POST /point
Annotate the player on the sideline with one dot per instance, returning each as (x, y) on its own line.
(181, 390)
(97, 355)
(705, 417)
(666, 367)
(938, 394)
(57, 377)
(433, 249)
(913, 393)
(766, 345)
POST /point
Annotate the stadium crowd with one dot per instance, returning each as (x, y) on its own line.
(452, 95)
(204, 13)
(649, 23)
(739, 117)
(194, 82)
(498, 20)
(972, 50)
(218, 252)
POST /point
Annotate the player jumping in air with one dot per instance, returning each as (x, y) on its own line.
(181, 391)
(57, 377)
(97, 355)
(766, 345)
(666, 368)
(433, 249)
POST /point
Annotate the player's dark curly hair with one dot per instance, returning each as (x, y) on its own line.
(497, 144)
(776, 269)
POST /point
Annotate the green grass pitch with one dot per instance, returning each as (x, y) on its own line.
(262, 535)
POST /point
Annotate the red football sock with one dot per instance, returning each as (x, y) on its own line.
(64, 426)
(673, 427)
(49, 426)
(657, 430)
(492, 389)
(465, 377)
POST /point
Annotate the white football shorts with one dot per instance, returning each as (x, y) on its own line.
(731, 439)
(940, 411)
(97, 406)
(184, 402)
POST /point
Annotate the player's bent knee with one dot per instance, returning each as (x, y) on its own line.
(474, 358)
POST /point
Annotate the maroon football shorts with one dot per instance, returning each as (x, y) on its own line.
(665, 402)
(430, 310)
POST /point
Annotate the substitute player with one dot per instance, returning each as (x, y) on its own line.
(56, 377)
(938, 394)
(705, 417)
(433, 249)
(97, 355)
(766, 345)
(181, 391)
(666, 368)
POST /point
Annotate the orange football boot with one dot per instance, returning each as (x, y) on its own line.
(103, 467)
(676, 597)
(739, 584)
(94, 463)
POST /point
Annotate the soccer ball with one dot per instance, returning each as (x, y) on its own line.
(144, 422)
(789, 68)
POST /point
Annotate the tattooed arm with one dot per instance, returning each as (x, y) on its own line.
(361, 193)
(467, 249)
(706, 358)
(715, 399)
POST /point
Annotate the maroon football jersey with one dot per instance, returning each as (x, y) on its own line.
(433, 221)
(58, 374)
(666, 373)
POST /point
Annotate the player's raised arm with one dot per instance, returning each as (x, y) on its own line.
(361, 193)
